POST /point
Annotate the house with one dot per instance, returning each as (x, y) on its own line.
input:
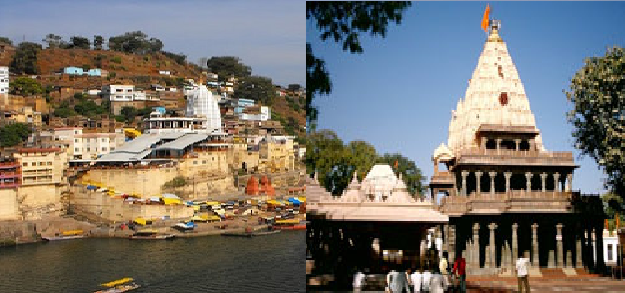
(94, 72)
(164, 72)
(118, 93)
(157, 87)
(73, 70)
(4, 80)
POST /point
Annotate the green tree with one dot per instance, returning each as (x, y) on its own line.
(6, 40)
(410, 173)
(326, 154)
(63, 110)
(79, 42)
(129, 113)
(25, 59)
(227, 66)
(597, 92)
(25, 86)
(14, 134)
(257, 88)
(54, 41)
(343, 22)
(363, 157)
(178, 58)
(135, 42)
(97, 42)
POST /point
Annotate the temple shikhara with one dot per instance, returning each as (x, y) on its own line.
(503, 194)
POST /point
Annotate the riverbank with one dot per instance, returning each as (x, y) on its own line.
(23, 232)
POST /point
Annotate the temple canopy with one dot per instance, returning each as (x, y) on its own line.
(495, 95)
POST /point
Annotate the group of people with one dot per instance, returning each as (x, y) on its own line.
(431, 279)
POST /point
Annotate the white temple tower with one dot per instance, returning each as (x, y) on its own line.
(202, 103)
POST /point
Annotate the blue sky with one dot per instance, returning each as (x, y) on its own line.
(399, 94)
(267, 35)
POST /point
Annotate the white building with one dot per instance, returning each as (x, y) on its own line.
(118, 93)
(264, 115)
(164, 72)
(159, 124)
(87, 146)
(4, 80)
(202, 103)
(610, 247)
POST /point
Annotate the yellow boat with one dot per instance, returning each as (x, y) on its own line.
(117, 282)
(72, 232)
(118, 286)
(288, 222)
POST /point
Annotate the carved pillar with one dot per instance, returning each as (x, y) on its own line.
(578, 252)
(518, 143)
(560, 259)
(543, 177)
(508, 175)
(535, 256)
(556, 185)
(435, 166)
(478, 174)
(491, 245)
(528, 181)
(498, 140)
(569, 182)
(515, 247)
(452, 242)
(476, 245)
(464, 175)
(492, 181)
(483, 143)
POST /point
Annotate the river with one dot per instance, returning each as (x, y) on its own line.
(273, 263)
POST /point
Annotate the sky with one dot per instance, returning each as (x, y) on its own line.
(267, 35)
(398, 95)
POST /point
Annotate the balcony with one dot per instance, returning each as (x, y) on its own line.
(514, 157)
(443, 177)
(514, 201)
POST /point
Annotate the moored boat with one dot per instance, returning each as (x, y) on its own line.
(118, 286)
(74, 234)
(150, 234)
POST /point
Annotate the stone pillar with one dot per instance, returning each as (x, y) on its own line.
(491, 245)
(569, 182)
(483, 143)
(560, 248)
(515, 247)
(543, 177)
(535, 251)
(528, 181)
(435, 166)
(551, 263)
(492, 181)
(452, 242)
(498, 140)
(464, 175)
(578, 252)
(556, 183)
(518, 143)
(594, 247)
(478, 174)
(476, 245)
(508, 175)
(569, 259)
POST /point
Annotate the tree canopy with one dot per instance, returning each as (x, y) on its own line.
(6, 40)
(79, 42)
(14, 134)
(343, 22)
(25, 86)
(597, 92)
(227, 66)
(136, 43)
(335, 162)
(25, 59)
(54, 41)
(257, 88)
(97, 42)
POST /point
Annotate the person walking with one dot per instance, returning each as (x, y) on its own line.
(521, 271)
(359, 278)
(402, 279)
(416, 279)
(459, 270)
(438, 283)
(391, 280)
(427, 274)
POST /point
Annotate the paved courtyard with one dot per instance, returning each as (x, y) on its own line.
(507, 284)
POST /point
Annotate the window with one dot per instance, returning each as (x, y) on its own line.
(112, 149)
(25, 164)
(204, 162)
(194, 162)
(104, 149)
(610, 258)
(500, 71)
(88, 149)
(33, 164)
(104, 140)
(76, 150)
(118, 90)
(76, 140)
(49, 163)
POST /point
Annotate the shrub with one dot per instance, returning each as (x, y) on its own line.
(117, 60)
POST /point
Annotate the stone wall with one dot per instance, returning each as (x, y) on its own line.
(145, 182)
(205, 187)
(8, 206)
(98, 206)
(37, 200)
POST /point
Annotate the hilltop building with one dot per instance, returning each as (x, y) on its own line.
(202, 103)
(4, 80)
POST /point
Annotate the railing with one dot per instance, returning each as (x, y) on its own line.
(503, 201)
(10, 175)
(514, 153)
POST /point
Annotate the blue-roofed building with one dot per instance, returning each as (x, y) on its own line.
(241, 104)
(94, 72)
(73, 70)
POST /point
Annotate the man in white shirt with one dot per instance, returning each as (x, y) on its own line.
(426, 279)
(359, 278)
(521, 270)
(415, 279)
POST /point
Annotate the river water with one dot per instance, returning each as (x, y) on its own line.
(273, 263)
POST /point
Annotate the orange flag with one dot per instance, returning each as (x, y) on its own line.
(395, 164)
(485, 18)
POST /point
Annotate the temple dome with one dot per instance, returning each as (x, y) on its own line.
(443, 153)
(495, 95)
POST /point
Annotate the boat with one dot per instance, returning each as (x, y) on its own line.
(74, 234)
(250, 234)
(151, 234)
(118, 286)
(291, 227)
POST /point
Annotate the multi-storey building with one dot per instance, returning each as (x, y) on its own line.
(10, 180)
(118, 93)
(4, 80)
